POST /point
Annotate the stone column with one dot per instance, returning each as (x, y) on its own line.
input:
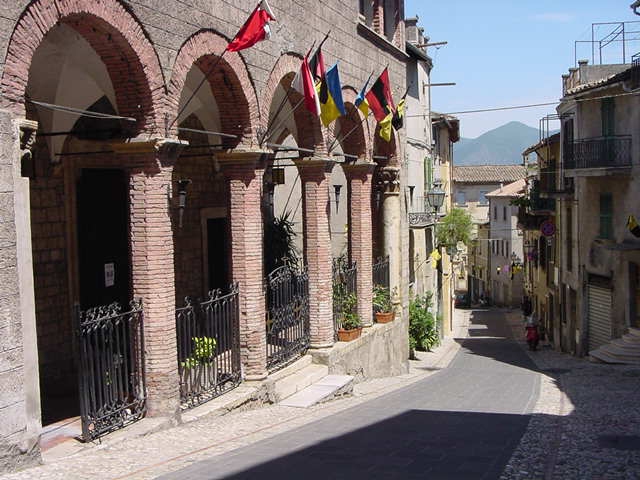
(360, 234)
(244, 171)
(314, 175)
(390, 186)
(152, 265)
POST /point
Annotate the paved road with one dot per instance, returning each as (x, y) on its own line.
(462, 422)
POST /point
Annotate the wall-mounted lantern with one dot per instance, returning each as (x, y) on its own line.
(182, 198)
(336, 191)
(435, 197)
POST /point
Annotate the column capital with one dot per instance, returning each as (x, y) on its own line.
(358, 169)
(249, 157)
(28, 130)
(314, 165)
(167, 149)
(389, 180)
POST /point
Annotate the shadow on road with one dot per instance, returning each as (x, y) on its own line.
(415, 444)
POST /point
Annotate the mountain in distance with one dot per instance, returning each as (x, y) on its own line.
(501, 146)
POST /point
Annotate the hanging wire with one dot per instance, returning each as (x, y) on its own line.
(78, 111)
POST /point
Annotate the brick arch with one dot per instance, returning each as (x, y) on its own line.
(115, 35)
(359, 141)
(231, 84)
(386, 149)
(309, 130)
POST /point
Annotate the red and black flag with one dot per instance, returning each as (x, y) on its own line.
(398, 115)
(379, 97)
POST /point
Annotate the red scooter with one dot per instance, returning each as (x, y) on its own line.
(533, 336)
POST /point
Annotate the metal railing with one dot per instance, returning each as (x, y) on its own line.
(420, 213)
(110, 351)
(635, 71)
(288, 327)
(208, 347)
(381, 274)
(345, 290)
(600, 152)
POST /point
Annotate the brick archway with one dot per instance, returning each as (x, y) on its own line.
(115, 35)
(358, 142)
(231, 85)
(309, 130)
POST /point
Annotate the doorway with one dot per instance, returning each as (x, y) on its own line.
(103, 238)
(216, 254)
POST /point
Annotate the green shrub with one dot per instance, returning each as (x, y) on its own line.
(381, 299)
(203, 352)
(423, 334)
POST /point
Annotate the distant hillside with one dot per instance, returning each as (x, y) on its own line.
(500, 146)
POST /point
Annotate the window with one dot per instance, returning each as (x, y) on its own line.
(390, 18)
(482, 198)
(502, 247)
(411, 189)
(606, 216)
(461, 199)
(504, 214)
(506, 252)
(608, 115)
(366, 12)
(495, 212)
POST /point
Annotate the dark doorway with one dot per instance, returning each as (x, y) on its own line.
(217, 254)
(103, 237)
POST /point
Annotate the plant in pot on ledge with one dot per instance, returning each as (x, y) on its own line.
(350, 325)
(382, 304)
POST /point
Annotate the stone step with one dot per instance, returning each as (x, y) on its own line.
(286, 385)
(627, 343)
(635, 332)
(327, 388)
(618, 351)
(604, 355)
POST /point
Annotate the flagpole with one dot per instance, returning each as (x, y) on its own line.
(204, 79)
(284, 120)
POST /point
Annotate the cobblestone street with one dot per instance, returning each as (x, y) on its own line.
(463, 421)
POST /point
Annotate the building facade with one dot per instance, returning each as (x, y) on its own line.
(137, 164)
(505, 275)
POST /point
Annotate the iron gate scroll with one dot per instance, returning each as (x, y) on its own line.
(110, 354)
(208, 347)
(288, 331)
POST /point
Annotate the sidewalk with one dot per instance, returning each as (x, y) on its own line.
(147, 456)
(586, 423)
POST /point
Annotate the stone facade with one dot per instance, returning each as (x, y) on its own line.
(145, 62)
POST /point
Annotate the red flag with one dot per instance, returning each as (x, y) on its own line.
(379, 97)
(303, 83)
(255, 29)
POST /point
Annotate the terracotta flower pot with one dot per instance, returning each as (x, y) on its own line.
(348, 335)
(385, 317)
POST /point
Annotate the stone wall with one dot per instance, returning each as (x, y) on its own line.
(381, 351)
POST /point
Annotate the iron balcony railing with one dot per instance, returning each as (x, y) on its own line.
(600, 152)
(539, 204)
(208, 347)
(635, 71)
(420, 213)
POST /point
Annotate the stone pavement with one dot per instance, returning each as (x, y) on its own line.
(586, 422)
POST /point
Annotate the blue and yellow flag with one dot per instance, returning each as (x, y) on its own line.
(330, 92)
(361, 102)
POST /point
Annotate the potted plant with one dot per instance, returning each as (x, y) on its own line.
(198, 372)
(382, 304)
(350, 325)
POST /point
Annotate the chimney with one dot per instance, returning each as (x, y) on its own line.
(411, 30)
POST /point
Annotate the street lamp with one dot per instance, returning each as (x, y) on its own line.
(435, 197)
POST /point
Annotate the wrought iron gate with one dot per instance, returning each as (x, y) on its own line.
(345, 291)
(110, 355)
(208, 347)
(288, 332)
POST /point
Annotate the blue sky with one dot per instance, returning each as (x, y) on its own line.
(510, 52)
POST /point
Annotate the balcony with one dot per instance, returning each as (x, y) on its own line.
(420, 213)
(527, 221)
(549, 187)
(539, 205)
(635, 71)
(600, 152)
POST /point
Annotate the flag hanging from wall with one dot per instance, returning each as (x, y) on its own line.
(316, 65)
(303, 84)
(633, 226)
(361, 102)
(385, 127)
(255, 29)
(398, 116)
(379, 97)
(331, 103)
